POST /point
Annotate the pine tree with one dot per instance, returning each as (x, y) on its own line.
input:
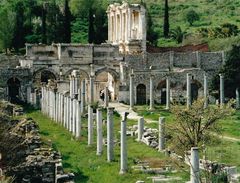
(67, 22)
(90, 26)
(166, 20)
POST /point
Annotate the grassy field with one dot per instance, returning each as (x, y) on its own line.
(82, 160)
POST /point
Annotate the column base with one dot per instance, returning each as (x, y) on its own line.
(122, 172)
(99, 153)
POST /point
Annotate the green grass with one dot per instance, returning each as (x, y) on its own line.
(82, 160)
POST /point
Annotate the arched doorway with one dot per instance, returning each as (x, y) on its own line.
(106, 79)
(141, 94)
(42, 76)
(161, 88)
(14, 90)
(195, 86)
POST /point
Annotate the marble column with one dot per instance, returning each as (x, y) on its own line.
(106, 98)
(99, 132)
(205, 91)
(68, 114)
(189, 95)
(161, 141)
(123, 153)
(167, 93)
(78, 119)
(74, 116)
(83, 91)
(65, 112)
(90, 125)
(71, 115)
(91, 89)
(140, 128)
(110, 135)
(194, 164)
(222, 96)
(151, 93)
(237, 99)
(131, 88)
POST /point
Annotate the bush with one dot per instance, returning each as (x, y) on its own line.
(192, 16)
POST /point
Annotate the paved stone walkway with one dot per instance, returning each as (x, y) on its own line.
(121, 108)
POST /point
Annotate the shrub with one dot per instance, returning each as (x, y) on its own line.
(192, 16)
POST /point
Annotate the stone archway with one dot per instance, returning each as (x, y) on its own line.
(14, 86)
(161, 90)
(42, 76)
(107, 78)
(141, 94)
(83, 74)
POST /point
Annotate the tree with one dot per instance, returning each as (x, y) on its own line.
(166, 20)
(7, 27)
(194, 126)
(67, 22)
(192, 16)
(231, 72)
(178, 34)
(152, 35)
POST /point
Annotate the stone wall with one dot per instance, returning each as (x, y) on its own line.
(24, 155)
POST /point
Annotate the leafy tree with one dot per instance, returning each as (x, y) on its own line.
(166, 20)
(192, 16)
(152, 35)
(231, 72)
(194, 126)
(7, 27)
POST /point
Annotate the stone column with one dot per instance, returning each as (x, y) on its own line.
(222, 97)
(140, 128)
(71, 115)
(99, 132)
(71, 86)
(110, 135)
(123, 155)
(205, 91)
(74, 116)
(131, 88)
(161, 141)
(151, 93)
(78, 119)
(237, 99)
(65, 112)
(106, 99)
(83, 91)
(90, 125)
(91, 89)
(167, 93)
(189, 95)
(194, 164)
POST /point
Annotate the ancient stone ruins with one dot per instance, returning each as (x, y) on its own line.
(66, 80)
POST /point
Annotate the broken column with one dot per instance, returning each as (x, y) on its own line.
(131, 88)
(90, 125)
(205, 91)
(161, 143)
(189, 102)
(110, 135)
(140, 128)
(99, 132)
(151, 93)
(106, 97)
(123, 155)
(237, 99)
(83, 88)
(222, 97)
(194, 165)
(167, 93)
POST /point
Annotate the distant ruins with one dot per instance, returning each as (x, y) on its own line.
(113, 64)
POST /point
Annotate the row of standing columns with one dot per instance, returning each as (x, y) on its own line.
(62, 109)
(188, 92)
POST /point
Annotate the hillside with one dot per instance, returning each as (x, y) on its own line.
(212, 13)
